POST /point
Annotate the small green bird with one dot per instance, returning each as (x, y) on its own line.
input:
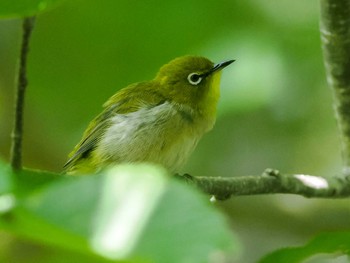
(158, 121)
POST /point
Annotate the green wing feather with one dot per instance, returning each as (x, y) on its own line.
(129, 99)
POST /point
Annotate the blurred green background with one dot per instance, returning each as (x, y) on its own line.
(275, 109)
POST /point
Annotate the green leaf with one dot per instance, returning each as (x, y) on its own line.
(335, 242)
(23, 181)
(6, 183)
(21, 8)
(130, 212)
(28, 180)
(7, 199)
(160, 220)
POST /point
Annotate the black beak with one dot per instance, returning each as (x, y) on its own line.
(222, 65)
(218, 66)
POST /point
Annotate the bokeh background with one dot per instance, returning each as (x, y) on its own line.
(275, 110)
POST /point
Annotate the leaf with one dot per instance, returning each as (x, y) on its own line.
(21, 8)
(335, 242)
(6, 182)
(23, 181)
(7, 199)
(174, 222)
(14, 185)
(130, 212)
(28, 180)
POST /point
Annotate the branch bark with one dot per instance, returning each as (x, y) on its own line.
(271, 182)
(335, 36)
(17, 133)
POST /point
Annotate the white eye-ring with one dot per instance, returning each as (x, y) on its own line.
(194, 78)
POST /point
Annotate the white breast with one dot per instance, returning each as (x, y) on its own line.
(159, 135)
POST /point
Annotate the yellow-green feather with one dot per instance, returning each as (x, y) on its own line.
(127, 100)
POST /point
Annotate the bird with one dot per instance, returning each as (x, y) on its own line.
(159, 121)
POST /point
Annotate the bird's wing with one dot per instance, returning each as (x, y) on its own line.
(129, 99)
(90, 138)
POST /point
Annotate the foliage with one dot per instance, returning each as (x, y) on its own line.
(325, 243)
(130, 212)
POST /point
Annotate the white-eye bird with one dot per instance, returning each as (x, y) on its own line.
(158, 121)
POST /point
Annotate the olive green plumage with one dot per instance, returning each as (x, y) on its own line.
(158, 121)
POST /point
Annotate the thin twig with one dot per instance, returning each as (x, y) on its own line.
(17, 133)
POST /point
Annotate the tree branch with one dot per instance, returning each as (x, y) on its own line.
(17, 133)
(271, 182)
(335, 36)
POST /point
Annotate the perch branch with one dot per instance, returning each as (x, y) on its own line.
(335, 36)
(271, 182)
(17, 133)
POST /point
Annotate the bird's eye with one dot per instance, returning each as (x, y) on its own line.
(194, 79)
